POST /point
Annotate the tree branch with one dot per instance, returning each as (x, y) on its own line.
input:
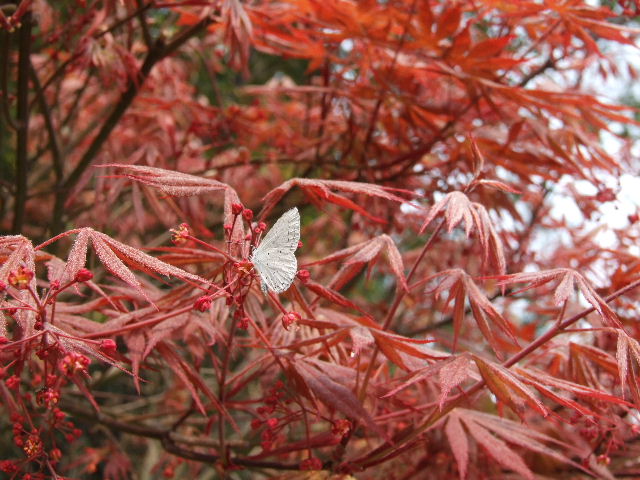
(154, 55)
(22, 137)
(54, 145)
(168, 439)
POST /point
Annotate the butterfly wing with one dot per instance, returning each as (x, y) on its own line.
(285, 233)
(277, 268)
(274, 258)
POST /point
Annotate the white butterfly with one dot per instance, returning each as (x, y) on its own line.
(274, 258)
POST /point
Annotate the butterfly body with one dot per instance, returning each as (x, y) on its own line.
(274, 258)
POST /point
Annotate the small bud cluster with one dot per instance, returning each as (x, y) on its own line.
(180, 236)
(290, 320)
(20, 278)
(266, 419)
(73, 363)
(341, 428)
(202, 304)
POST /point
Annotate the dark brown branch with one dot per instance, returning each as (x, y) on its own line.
(54, 145)
(22, 137)
(148, 39)
(167, 438)
(4, 78)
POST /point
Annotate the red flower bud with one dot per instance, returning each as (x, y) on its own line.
(13, 382)
(304, 275)
(341, 427)
(256, 423)
(180, 235)
(291, 319)
(83, 275)
(108, 346)
(202, 304)
(311, 464)
(237, 208)
(73, 363)
(300, 244)
(55, 454)
(266, 445)
(243, 323)
(247, 214)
